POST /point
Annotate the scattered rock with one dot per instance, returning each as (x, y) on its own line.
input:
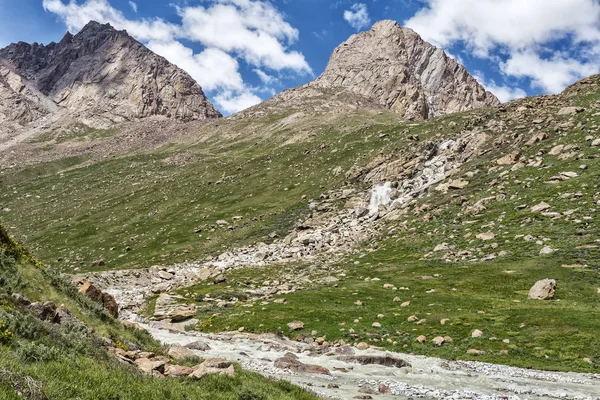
(546, 250)
(543, 290)
(180, 352)
(213, 366)
(387, 361)
(476, 352)
(476, 333)
(290, 362)
(421, 339)
(177, 370)
(296, 325)
(543, 206)
(438, 340)
(147, 366)
(486, 236)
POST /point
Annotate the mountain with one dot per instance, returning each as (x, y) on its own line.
(393, 67)
(99, 74)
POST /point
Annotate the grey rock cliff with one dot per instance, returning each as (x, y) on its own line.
(393, 67)
(99, 72)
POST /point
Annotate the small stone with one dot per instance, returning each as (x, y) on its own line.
(438, 341)
(486, 236)
(405, 304)
(546, 250)
(543, 206)
(376, 325)
(421, 339)
(413, 318)
(443, 321)
(362, 346)
(476, 352)
(476, 333)
(296, 325)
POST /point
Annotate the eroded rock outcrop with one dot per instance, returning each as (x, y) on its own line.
(393, 67)
(100, 74)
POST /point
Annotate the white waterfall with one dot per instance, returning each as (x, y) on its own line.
(380, 196)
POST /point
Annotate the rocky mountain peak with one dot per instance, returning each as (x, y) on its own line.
(104, 76)
(393, 66)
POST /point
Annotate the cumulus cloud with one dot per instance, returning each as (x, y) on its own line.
(231, 102)
(519, 31)
(133, 6)
(229, 30)
(504, 93)
(264, 77)
(357, 16)
(213, 69)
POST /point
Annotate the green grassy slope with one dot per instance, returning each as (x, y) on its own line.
(158, 207)
(41, 360)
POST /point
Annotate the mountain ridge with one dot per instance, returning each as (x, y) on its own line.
(391, 66)
(103, 75)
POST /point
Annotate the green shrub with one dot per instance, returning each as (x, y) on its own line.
(10, 277)
(38, 352)
(6, 335)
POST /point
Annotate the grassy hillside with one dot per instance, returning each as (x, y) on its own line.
(162, 206)
(42, 360)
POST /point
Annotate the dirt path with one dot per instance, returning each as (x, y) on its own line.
(429, 378)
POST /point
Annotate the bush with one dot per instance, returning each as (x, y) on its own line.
(5, 334)
(10, 278)
(37, 352)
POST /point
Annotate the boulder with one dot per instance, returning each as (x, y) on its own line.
(296, 325)
(570, 110)
(91, 291)
(198, 345)
(543, 206)
(110, 305)
(387, 360)
(543, 290)
(177, 370)
(179, 352)
(213, 366)
(44, 311)
(291, 363)
(21, 300)
(147, 366)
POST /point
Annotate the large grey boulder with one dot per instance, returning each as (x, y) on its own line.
(543, 290)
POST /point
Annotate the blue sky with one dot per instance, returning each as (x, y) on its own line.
(244, 51)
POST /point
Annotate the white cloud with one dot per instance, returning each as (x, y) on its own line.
(231, 102)
(251, 30)
(503, 92)
(357, 16)
(213, 69)
(552, 74)
(75, 16)
(520, 31)
(133, 6)
(264, 77)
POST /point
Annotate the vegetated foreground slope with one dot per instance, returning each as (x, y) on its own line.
(522, 206)
(65, 356)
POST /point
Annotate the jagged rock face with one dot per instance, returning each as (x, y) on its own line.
(394, 67)
(15, 103)
(104, 72)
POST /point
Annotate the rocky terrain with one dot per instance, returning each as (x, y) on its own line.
(352, 235)
(393, 67)
(100, 76)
